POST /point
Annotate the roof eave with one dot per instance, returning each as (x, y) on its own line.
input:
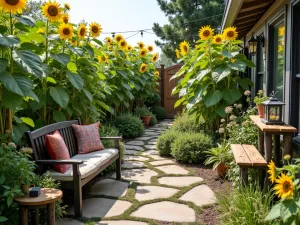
(231, 12)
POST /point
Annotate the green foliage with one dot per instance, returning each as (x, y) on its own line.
(152, 100)
(107, 130)
(165, 140)
(129, 126)
(188, 123)
(190, 147)
(160, 112)
(218, 155)
(260, 98)
(142, 111)
(245, 205)
(153, 119)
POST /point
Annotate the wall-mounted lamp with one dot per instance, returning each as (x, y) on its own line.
(254, 42)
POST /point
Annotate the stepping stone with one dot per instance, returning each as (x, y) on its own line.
(110, 187)
(138, 175)
(152, 147)
(157, 157)
(121, 222)
(132, 147)
(144, 193)
(139, 143)
(102, 207)
(179, 181)
(150, 134)
(130, 152)
(200, 195)
(173, 169)
(133, 164)
(150, 153)
(152, 142)
(68, 221)
(143, 138)
(161, 162)
(166, 211)
(135, 158)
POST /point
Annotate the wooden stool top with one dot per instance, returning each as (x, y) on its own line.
(48, 195)
(272, 128)
(247, 156)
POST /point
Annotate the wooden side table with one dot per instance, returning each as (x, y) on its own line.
(47, 198)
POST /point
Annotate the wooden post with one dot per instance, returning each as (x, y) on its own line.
(277, 155)
(268, 156)
(162, 85)
(261, 172)
(77, 191)
(51, 213)
(118, 161)
(23, 215)
(287, 145)
(244, 175)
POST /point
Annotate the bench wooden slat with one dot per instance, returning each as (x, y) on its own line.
(254, 156)
(240, 155)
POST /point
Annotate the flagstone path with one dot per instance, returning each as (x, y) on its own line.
(153, 189)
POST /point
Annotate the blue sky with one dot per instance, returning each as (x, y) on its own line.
(119, 15)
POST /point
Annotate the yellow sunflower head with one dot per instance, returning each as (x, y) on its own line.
(129, 47)
(95, 29)
(65, 31)
(67, 6)
(13, 6)
(82, 30)
(52, 11)
(206, 33)
(123, 44)
(74, 42)
(143, 52)
(218, 39)
(155, 57)
(281, 31)
(150, 48)
(141, 45)
(230, 34)
(156, 73)
(65, 18)
(119, 38)
(184, 48)
(143, 68)
(108, 40)
(284, 186)
(102, 58)
(40, 31)
(272, 171)
(177, 54)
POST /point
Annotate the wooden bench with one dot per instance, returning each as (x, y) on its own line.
(247, 156)
(84, 166)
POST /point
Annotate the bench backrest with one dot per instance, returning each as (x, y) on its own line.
(36, 139)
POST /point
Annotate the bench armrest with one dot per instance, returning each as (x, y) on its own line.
(69, 161)
(111, 138)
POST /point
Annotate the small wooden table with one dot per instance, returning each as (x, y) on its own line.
(47, 198)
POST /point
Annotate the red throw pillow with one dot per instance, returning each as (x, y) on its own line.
(57, 150)
(88, 138)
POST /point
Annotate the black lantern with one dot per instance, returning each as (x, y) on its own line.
(253, 42)
(273, 111)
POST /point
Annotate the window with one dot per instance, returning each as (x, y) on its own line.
(259, 66)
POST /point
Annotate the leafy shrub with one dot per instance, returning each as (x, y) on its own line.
(245, 205)
(160, 112)
(164, 142)
(153, 119)
(151, 100)
(187, 123)
(142, 111)
(129, 126)
(190, 147)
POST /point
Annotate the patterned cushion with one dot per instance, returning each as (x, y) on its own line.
(57, 150)
(88, 138)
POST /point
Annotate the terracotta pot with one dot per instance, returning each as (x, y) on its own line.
(260, 108)
(221, 170)
(146, 120)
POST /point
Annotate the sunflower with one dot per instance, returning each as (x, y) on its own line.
(129, 47)
(65, 31)
(284, 187)
(155, 57)
(13, 6)
(230, 33)
(74, 42)
(65, 18)
(119, 38)
(156, 73)
(40, 31)
(52, 11)
(67, 6)
(123, 44)
(177, 54)
(143, 68)
(141, 45)
(102, 58)
(108, 40)
(143, 52)
(206, 33)
(95, 29)
(82, 31)
(218, 39)
(184, 47)
(272, 171)
(150, 48)
(281, 31)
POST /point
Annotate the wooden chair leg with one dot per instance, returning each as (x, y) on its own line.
(118, 161)
(23, 215)
(244, 175)
(77, 191)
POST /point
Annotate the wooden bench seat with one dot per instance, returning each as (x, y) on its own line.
(247, 156)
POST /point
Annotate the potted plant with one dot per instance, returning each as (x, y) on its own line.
(144, 114)
(258, 100)
(219, 156)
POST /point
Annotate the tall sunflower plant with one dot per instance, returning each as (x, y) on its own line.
(286, 186)
(210, 77)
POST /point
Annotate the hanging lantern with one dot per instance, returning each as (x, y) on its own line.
(252, 44)
(273, 111)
